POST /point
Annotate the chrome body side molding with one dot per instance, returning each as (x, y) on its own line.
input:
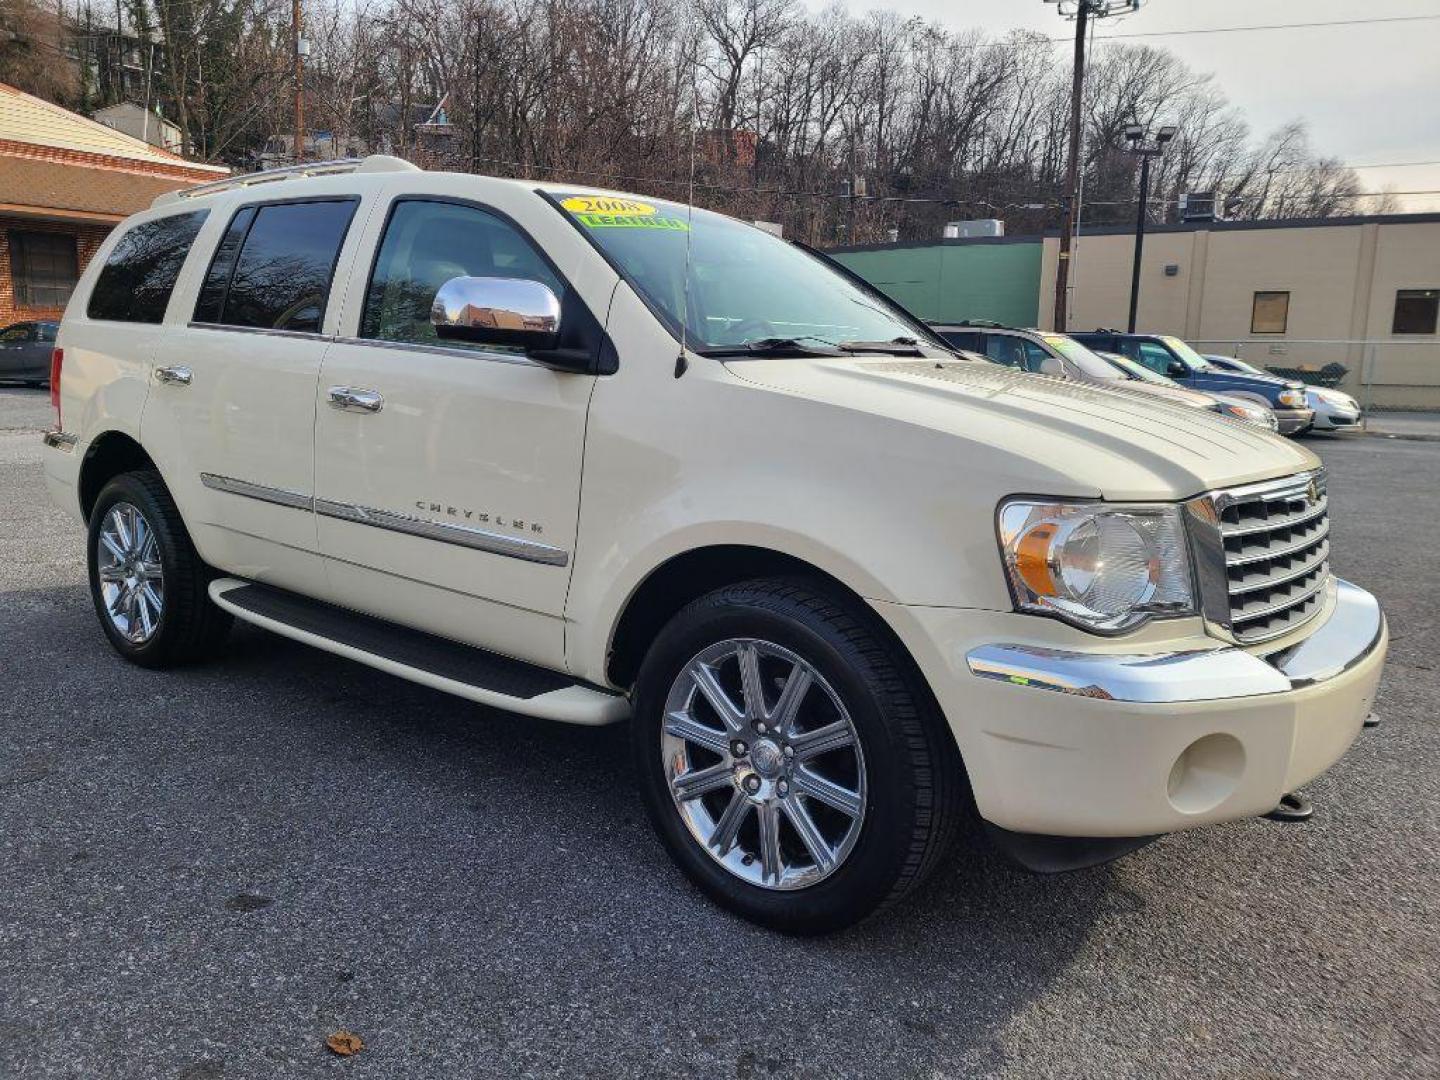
(259, 492)
(1354, 630)
(514, 547)
(494, 543)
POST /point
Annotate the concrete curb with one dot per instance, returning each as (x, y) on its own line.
(1403, 436)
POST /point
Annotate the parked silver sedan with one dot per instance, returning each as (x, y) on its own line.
(25, 352)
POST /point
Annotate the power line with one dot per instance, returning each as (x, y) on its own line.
(1026, 202)
(1269, 26)
(1394, 165)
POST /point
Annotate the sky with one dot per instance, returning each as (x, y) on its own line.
(1369, 93)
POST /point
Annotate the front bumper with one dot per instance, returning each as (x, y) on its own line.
(1333, 418)
(1292, 421)
(1098, 743)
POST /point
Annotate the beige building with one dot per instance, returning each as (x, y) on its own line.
(1363, 292)
(65, 181)
(140, 123)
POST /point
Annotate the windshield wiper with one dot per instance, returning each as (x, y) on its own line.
(776, 346)
(898, 346)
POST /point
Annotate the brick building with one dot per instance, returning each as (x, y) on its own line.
(65, 182)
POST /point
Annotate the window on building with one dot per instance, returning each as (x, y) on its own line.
(274, 266)
(139, 273)
(428, 243)
(1416, 311)
(44, 268)
(1269, 313)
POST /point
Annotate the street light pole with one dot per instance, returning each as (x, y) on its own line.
(1135, 134)
(1139, 240)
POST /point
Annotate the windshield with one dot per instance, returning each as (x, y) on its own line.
(1241, 365)
(1138, 371)
(745, 286)
(1087, 361)
(1187, 356)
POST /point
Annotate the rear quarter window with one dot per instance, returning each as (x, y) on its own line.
(274, 266)
(139, 274)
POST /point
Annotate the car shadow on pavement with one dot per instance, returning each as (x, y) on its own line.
(474, 892)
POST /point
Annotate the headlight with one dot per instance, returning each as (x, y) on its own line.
(1248, 413)
(1105, 567)
(1292, 399)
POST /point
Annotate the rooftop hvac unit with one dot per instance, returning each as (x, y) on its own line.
(1202, 206)
(963, 230)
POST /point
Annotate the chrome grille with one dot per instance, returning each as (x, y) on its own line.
(1272, 541)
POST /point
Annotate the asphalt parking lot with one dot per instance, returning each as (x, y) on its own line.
(204, 873)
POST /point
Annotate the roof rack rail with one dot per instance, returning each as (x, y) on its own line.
(373, 164)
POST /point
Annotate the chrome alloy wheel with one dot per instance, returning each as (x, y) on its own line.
(764, 764)
(132, 584)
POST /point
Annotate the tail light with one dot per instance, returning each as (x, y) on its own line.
(57, 361)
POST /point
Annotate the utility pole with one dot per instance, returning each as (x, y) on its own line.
(1072, 170)
(1135, 135)
(475, 103)
(1082, 11)
(299, 43)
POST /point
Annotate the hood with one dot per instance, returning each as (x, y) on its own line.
(1054, 436)
(1239, 380)
(1193, 399)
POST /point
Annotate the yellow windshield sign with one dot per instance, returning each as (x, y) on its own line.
(613, 212)
(606, 204)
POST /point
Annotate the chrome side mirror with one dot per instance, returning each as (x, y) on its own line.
(1051, 366)
(497, 311)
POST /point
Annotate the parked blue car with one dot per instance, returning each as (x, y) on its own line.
(1170, 356)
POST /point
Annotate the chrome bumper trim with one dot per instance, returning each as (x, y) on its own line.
(1353, 631)
(59, 440)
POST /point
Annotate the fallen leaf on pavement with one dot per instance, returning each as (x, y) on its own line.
(345, 1043)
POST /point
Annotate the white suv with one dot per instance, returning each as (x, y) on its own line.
(601, 458)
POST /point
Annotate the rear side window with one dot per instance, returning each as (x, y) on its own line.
(273, 268)
(138, 276)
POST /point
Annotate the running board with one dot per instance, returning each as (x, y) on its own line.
(462, 670)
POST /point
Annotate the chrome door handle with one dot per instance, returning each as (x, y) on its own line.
(351, 399)
(174, 376)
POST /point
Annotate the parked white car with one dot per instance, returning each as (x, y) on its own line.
(596, 458)
(1335, 410)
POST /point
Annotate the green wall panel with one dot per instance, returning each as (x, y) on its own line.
(950, 282)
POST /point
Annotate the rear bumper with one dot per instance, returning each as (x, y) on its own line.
(1291, 421)
(61, 460)
(1070, 742)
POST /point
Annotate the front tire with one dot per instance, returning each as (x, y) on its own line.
(147, 581)
(787, 759)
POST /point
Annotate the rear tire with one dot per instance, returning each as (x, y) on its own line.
(825, 837)
(148, 583)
